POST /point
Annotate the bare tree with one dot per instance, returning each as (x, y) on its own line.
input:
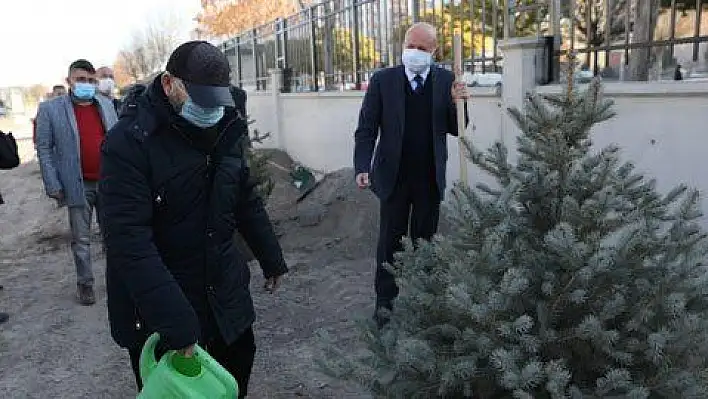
(220, 18)
(590, 18)
(149, 48)
(126, 66)
(594, 17)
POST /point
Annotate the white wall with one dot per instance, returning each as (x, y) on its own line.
(261, 108)
(317, 129)
(662, 127)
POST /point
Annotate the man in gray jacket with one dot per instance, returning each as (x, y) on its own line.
(70, 131)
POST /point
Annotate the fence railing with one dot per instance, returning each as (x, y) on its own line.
(338, 44)
(661, 40)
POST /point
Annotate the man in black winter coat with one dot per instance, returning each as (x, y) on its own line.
(174, 187)
(9, 159)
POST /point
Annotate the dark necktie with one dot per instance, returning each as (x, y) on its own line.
(419, 84)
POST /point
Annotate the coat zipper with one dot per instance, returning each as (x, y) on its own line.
(209, 187)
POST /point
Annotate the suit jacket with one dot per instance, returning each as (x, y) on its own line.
(58, 147)
(383, 116)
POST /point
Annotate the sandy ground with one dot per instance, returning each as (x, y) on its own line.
(52, 347)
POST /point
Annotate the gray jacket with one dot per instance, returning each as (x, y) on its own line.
(58, 147)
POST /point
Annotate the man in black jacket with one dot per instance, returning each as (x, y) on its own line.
(9, 159)
(175, 186)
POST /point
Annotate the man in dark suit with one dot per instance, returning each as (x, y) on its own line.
(410, 109)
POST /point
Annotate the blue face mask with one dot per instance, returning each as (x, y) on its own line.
(200, 116)
(84, 91)
(416, 61)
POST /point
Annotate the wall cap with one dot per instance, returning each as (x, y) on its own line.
(685, 88)
(520, 43)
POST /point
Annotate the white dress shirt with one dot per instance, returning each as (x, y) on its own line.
(411, 77)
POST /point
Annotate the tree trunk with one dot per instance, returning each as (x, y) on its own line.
(647, 12)
(328, 44)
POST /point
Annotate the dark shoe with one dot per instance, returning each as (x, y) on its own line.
(381, 320)
(4, 317)
(85, 295)
(382, 314)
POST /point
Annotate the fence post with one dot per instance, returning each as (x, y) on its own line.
(313, 48)
(276, 81)
(284, 64)
(284, 38)
(256, 69)
(355, 47)
(509, 6)
(239, 69)
(387, 28)
(415, 10)
(229, 49)
(281, 43)
(278, 54)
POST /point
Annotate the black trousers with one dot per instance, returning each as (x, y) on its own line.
(413, 209)
(236, 358)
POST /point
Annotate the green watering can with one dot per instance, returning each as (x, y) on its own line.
(179, 377)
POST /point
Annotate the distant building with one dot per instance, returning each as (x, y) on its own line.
(13, 98)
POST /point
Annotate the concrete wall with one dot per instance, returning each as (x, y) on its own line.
(317, 129)
(262, 109)
(662, 127)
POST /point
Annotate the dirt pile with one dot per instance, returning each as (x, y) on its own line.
(336, 214)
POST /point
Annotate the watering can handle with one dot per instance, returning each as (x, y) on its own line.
(148, 363)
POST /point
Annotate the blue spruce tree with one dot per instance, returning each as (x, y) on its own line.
(571, 277)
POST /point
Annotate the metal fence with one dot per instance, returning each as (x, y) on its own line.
(662, 39)
(338, 44)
